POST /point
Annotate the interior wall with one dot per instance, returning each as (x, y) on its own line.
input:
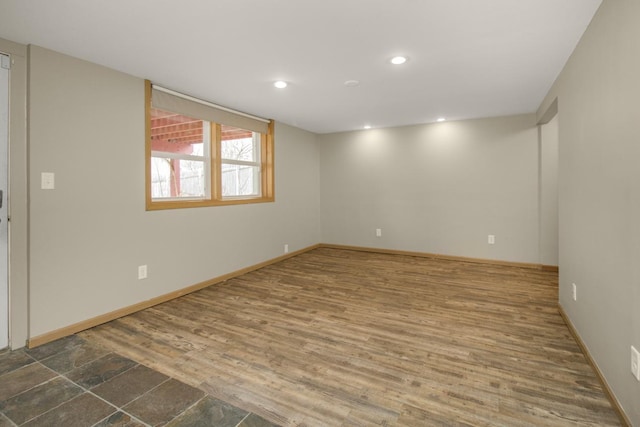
(549, 193)
(89, 234)
(435, 188)
(18, 226)
(599, 190)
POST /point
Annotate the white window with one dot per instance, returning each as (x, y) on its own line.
(240, 159)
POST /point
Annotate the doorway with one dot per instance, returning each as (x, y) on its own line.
(549, 147)
(4, 179)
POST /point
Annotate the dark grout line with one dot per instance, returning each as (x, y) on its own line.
(58, 375)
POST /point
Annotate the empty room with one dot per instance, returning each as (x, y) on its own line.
(320, 213)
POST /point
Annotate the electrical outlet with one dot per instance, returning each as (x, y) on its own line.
(635, 363)
(378, 232)
(574, 291)
(142, 272)
(286, 249)
(491, 239)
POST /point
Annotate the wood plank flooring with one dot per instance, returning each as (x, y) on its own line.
(344, 338)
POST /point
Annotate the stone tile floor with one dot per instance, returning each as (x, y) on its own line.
(71, 382)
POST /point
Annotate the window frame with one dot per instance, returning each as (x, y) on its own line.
(266, 161)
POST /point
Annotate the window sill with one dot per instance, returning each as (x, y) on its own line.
(183, 204)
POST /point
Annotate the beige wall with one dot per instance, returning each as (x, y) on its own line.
(18, 225)
(599, 189)
(436, 188)
(88, 236)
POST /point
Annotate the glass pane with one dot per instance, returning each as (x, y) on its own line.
(175, 133)
(172, 178)
(240, 180)
(240, 144)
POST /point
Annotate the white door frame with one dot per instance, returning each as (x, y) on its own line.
(4, 208)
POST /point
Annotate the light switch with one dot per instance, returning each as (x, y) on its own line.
(47, 180)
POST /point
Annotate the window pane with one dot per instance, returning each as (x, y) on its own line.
(175, 133)
(240, 144)
(173, 178)
(240, 180)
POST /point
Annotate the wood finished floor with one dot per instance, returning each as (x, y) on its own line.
(345, 338)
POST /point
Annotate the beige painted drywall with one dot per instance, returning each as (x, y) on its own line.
(549, 193)
(18, 226)
(599, 191)
(89, 234)
(436, 188)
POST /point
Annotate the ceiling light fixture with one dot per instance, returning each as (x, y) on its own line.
(280, 84)
(367, 126)
(441, 119)
(398, 60)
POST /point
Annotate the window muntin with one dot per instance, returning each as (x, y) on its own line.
(193, 160)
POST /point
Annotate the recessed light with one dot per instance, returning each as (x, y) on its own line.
(367, 126)
(351, 83)
(441, 119)
(398, 60)
(280, 84)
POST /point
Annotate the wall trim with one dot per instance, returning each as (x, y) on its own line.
(438, 256)
(605, 386)
(107, 317)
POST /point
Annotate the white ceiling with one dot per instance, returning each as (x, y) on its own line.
(467, 58)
